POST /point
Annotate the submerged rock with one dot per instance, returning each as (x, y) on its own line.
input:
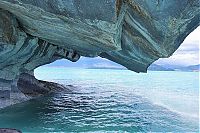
(133, 33)
(32, 87)
(25, 88)
(9, 130)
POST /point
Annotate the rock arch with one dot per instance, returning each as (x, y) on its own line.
(133, 33)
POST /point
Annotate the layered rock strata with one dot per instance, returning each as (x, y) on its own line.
(133, 33)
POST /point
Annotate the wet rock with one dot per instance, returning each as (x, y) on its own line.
(25, 88)
(32, 87)
(9, 130)
(133, 33)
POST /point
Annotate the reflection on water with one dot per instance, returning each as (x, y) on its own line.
(95, 105)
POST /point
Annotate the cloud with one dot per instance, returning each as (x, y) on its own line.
(187, 53)
(193, 36)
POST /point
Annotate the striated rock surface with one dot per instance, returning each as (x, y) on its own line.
(26, 87)
(9, 130)
(133, 33)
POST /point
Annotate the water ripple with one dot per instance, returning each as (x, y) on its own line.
(87, 110)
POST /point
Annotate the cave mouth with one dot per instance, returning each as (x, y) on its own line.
(135, 38)
(40, 40)
(41, 81)
(186, 55)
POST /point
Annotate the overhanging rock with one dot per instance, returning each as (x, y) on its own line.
(133, 33)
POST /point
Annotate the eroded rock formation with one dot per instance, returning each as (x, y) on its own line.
(133, 33)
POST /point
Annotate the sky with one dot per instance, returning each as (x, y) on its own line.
(187, 54)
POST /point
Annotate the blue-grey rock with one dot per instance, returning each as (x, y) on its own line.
(133, 33)
(9, 130)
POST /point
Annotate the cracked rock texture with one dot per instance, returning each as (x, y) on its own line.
(133, 33)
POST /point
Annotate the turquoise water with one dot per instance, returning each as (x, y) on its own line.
(110, 101)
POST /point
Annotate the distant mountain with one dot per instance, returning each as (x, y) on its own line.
(194, 67)
(182, 68)
(155, 67)
(85, 63)
(109, 65)
(99, 63)
(190, 68)
(114, 68)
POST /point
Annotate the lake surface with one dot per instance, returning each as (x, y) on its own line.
(109, 101)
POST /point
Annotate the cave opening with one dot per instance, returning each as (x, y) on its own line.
(186, 55)
(44, 50)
